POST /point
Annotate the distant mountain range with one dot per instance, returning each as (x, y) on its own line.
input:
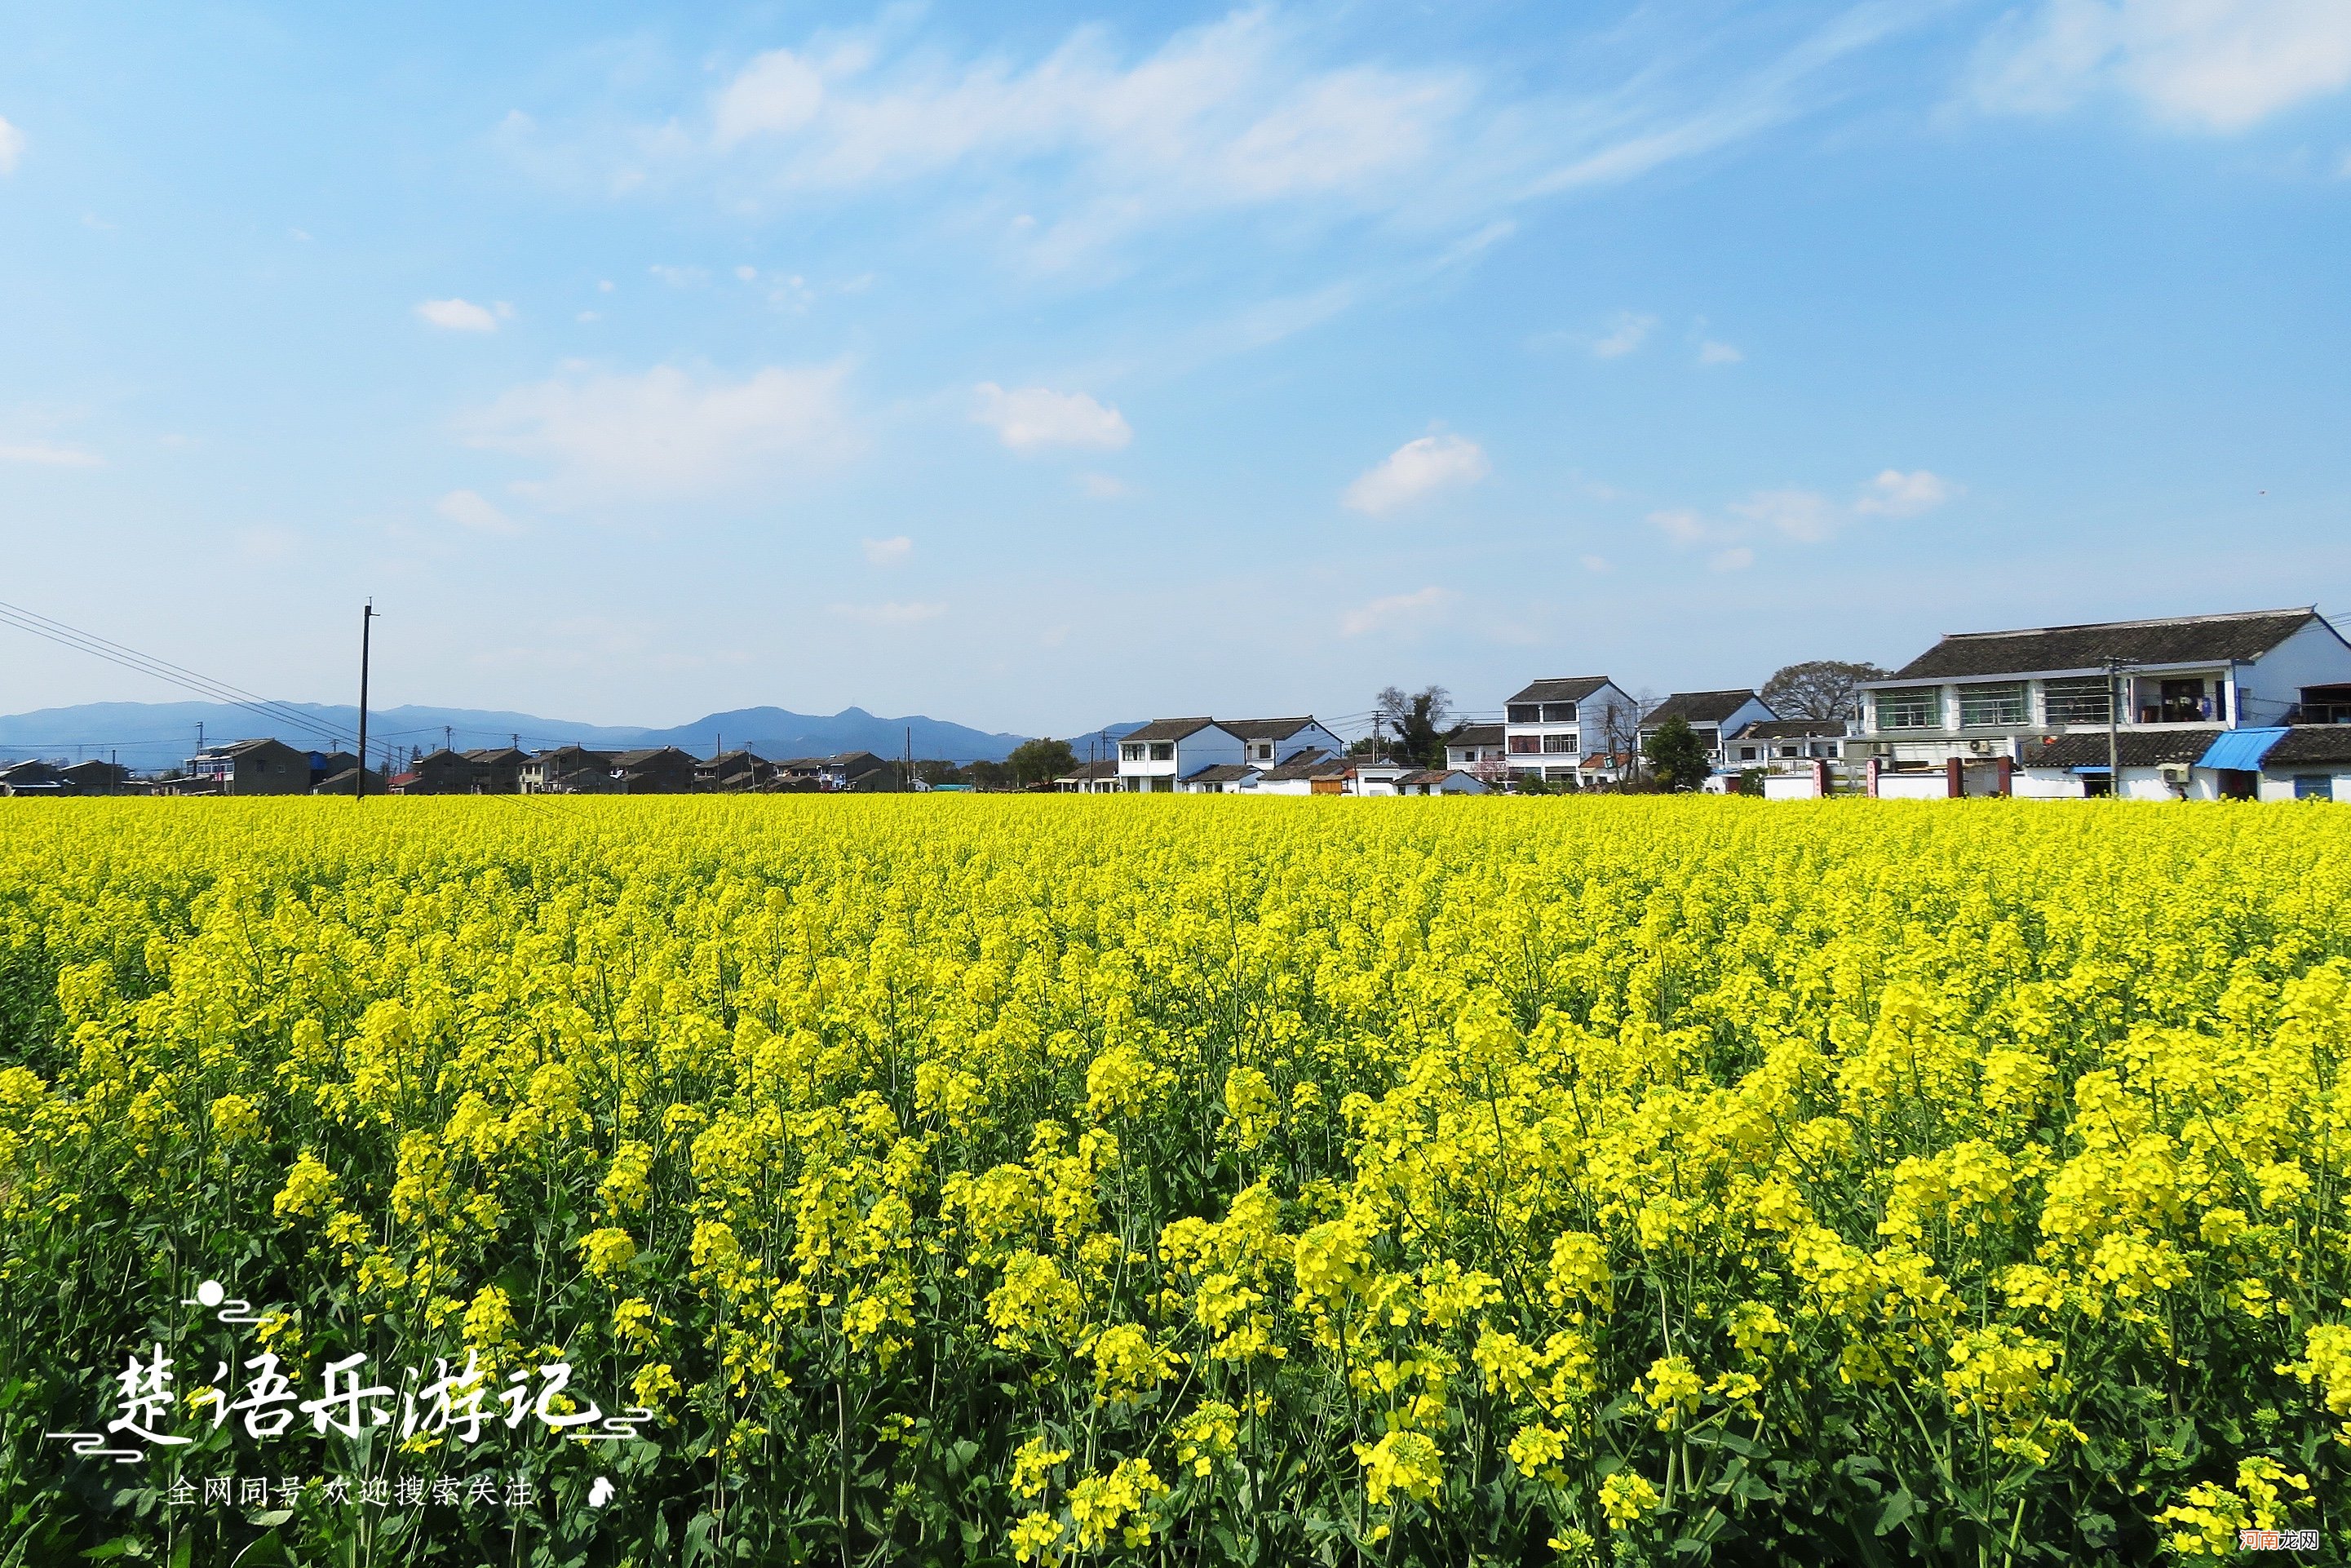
(147, 737)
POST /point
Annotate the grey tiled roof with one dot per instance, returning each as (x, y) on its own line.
(1477, 733)
(1560, 689)
(1793, 729)
(1699, 707)
(2311, 743)
(2188, 639)
(2138, 748)
(1168, 729)
(1263, 728)
(1310, 763)
(1221, 773)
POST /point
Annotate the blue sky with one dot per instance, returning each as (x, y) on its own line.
(1043, 365)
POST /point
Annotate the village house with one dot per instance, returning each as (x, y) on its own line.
(442, 772)
(1710, 715)
(1219, 778)
(733, 773)
(1441, 781)
(1314, 771)
(1977, 707)
(252, 768)
(497, 769)
(1158, 756)
(1099, 777)
(1551, 725)
(1475, 749)
(33, 778)
(653, 770)
(567, 771)
(1268, 741)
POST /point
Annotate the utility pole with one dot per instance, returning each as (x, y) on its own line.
(910, 757)
(448, 738)
(2113, 729)
(367, 624)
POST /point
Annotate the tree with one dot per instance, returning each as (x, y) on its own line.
(1041, 761)
(988, 775)
(1676, 755)
(1819, 688)
(1417, 722)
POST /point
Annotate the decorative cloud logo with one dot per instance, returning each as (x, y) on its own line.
(600, 1492)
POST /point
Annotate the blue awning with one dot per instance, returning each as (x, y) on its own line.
(2241, 750)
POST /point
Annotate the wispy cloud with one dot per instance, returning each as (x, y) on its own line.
(463, 315)
(1627, 332)
(12, 147)
(1399, 611)
(666, 432)
(1714, 352)
(1800, 516)
(1894, 494)
(2213, 65)
(1035, 417)
(48, 455)
(890, 551)
(1415, 469)
(1102, 486)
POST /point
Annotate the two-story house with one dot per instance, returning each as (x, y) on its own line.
(1710, 715)
(1150, 759)
(2047, 698)
(1268, 741)
(568, 770)
(1476, 750)
(1551, 725)
(253, 767)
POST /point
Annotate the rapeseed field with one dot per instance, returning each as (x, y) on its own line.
(1086, 1181)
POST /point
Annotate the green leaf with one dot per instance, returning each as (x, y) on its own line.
(1898, 1509)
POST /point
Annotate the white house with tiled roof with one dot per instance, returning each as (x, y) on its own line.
(1165, 753)
(1978, 696)
(1710, 715)
(1551, 725)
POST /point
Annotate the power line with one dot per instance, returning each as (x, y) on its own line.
(113, 653)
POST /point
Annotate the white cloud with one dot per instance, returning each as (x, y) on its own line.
(891, 615)
(1894, 494)
(666, 432)
(1799, 514)
(1034, 416)
(1682, 526)
(459, 316)
(890, 551)
(1739, 558)
(1102, 486)
(12, 147)
(1712, 352)
(1628, 333)
(1595, 563)
(777, 92)
(2216, 65)
(48, 455)
(1398, 611)
(469, 509)
(747, 273)
(680, 277)
(1415, 469)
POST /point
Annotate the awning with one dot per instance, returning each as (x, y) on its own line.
(2241, 750)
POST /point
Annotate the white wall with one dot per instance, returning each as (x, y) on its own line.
(2280, 786)
(1913, 787)
(2314, 657)
(1791, 787)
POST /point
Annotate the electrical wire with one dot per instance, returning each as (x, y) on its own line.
(113, 653)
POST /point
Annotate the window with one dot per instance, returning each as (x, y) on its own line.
(2081, 699)
(1747, 754)
(1265, 751)
(1792, 750)
(1130, 753)
(1559, 745)
(1559, 713)
(1525, 713)
(1526, 744)
(2000, 703)
(2185, 701)
(1162, 751)
(2312, 787)
(1911, 707)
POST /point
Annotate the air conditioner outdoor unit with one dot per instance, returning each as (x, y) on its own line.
(1980, 747)
(2175, 773)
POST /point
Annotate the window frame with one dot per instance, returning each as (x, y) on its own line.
(1931, 696)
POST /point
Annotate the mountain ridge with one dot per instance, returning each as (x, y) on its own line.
(147, 737)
